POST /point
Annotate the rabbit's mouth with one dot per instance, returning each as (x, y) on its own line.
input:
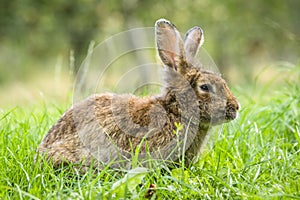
(220, 117)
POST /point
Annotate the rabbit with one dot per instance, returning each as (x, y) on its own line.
(107, 129)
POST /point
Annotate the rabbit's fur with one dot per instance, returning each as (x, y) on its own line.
(109, 127)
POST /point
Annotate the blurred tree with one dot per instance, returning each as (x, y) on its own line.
(238, 33)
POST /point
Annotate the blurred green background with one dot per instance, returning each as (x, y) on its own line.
(44, 42)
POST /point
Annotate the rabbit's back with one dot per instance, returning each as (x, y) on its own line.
(106, 122)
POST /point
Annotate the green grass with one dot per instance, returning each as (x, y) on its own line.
(255, 157)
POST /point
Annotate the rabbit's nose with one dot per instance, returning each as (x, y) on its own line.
(234, 104)
(237, 104)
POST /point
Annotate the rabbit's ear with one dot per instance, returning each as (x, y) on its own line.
(169, 45)
(194, 39)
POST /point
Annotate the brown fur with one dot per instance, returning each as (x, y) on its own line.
(109, 127)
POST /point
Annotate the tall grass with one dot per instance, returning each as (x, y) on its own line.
(255, 157)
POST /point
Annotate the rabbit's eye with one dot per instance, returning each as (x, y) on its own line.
(206, 88)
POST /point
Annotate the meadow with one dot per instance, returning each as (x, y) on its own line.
(257, 156)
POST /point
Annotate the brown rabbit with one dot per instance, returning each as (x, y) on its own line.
(110, 127)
